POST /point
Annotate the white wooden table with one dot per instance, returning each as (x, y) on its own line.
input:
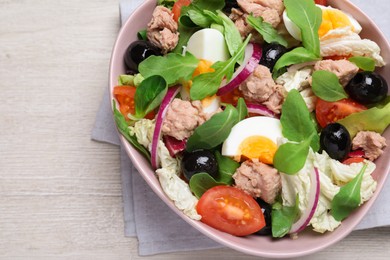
(60, 192)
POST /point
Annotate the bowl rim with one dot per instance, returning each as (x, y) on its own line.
(216, 235)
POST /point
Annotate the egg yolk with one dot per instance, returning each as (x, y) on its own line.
(258, 147)
(204, 66)
(332, 19)
(207, 101)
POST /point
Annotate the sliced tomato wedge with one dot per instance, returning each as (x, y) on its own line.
(125, 97)
(353, 160)
(321, 2)
(230, 210)
(330, 112)
(231, 97)
(176, 9)
(337, 57)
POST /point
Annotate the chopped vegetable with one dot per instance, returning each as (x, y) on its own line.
(176, 9)
(231, 210)
(314, 196)
(329, 112)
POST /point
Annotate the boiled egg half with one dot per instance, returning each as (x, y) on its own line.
(334, 21)
(253, 138)
(210, 104)
(209, 46)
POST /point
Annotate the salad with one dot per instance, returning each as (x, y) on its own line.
(258, 116)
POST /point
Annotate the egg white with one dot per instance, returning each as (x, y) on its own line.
(208, 44)
(295, 32)
(252, 126)
(291, 27)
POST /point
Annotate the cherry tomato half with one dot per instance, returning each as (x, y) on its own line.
(231, 97)
(125, 97)
(330, 112)
(176, 9)
(230, 210)
(321, 2)
(353, 160)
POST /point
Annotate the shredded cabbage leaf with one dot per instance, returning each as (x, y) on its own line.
(342, 43)
(333, 175)
(143, 131)
(168, 175)
(299, 79)
(179, 192)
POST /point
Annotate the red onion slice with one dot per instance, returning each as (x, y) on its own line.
(314, 195)
(171, 93)
(252, 58)
(260, 110)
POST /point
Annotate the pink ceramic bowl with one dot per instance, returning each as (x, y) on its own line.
(308, 242)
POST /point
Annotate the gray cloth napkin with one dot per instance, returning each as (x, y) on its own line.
(160, 230)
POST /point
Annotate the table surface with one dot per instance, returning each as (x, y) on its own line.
(60, 192)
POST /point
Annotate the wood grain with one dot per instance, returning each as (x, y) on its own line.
(60, 192)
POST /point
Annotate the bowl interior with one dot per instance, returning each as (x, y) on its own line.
(308, 242)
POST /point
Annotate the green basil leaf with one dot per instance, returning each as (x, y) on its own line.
(266, 30)
(326, 85)
(207, 84)
(348, 198)
(364, 63)
(291, 157)
(226, 168)
(218, 27)
(149, 95)
(232, 35)
(199, 18)
(297, 125)
(201, 182)
(375, 119)
(295, 56)
(216, 19)
(283, 217)
(186, 21)
(171, 67)
(123, 128)
(195, 13)
(308, 17)
(141, 35)
(315, 122)
(214, 131)
(167, 3)
(242, 109)
(211, 5)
